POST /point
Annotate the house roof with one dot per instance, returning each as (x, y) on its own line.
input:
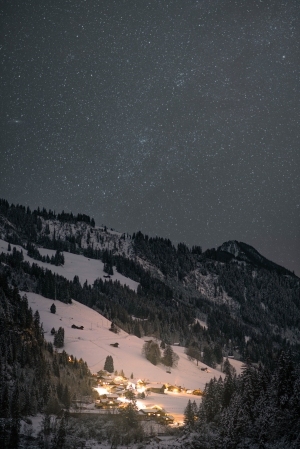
(151, 411)
(112, 396)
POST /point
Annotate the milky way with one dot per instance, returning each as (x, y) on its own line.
(178, 118)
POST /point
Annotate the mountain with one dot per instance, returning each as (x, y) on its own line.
(225, 302)
(228, 300)
(243, 252)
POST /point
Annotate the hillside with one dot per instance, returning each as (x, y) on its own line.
(249, 305)
(230, 301)
(34, 378)
(93, 344)
(87, 270)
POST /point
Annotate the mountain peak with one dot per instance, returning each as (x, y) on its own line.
(243, 251)
(232, 247)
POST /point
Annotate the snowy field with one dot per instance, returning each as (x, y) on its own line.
(92, 344)
(86, 269)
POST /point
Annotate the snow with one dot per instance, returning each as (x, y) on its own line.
(86, 269)
(201, 322)
(237, 364)
(92, 344)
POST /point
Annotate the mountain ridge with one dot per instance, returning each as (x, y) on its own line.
(245, 252)
(246, 301)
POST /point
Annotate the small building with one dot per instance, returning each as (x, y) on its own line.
(105, 380)
(151, 412)
(158, 413)
(112, 396)
(174, 388)
(198, 392)
(117, 390)
(166, 419)
(156, 388)
(107, 403)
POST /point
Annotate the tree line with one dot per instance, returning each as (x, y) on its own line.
(33, 377)
(161, 315)
(257, 409)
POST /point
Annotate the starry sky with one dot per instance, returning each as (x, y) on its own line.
(179, 118)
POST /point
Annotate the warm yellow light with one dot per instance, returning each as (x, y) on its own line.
(141, 389)
(158, 407)
(100, 390)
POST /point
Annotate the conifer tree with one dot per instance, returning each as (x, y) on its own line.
(15, 402)
(109, 364)
(228, 390)
(53, 308)
(59, 338)
(129, 416)
(4, 403)
(170, 358)
(14, 434)
(152, 352)
(190, 414)
(228, 368)
(66, 397)
(46, 428)
(59, 440)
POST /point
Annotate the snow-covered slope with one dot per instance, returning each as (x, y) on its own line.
(92, 344)
(86, 269)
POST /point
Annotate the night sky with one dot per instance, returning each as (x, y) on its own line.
(177, 118)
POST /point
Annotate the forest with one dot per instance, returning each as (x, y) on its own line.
(259, 409)
(250, 306)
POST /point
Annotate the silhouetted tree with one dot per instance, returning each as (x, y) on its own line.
(53, 308)
(109, 364)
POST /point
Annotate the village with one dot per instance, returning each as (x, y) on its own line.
(115, 392)
(158, 391)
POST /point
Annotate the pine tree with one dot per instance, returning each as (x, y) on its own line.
(152, 352)
(15, 402)
(129, 416)
(66, 397)
(4, 403)
(46, 429)
(60, 438)
(228, 368)
(284, 378)
(137, 329)
(36, 318)
(59, 338)
(109, 364)
(53, 308)
(170, 358)
(189, 414)
(228, 390)
(208, 357)
(14, 434)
